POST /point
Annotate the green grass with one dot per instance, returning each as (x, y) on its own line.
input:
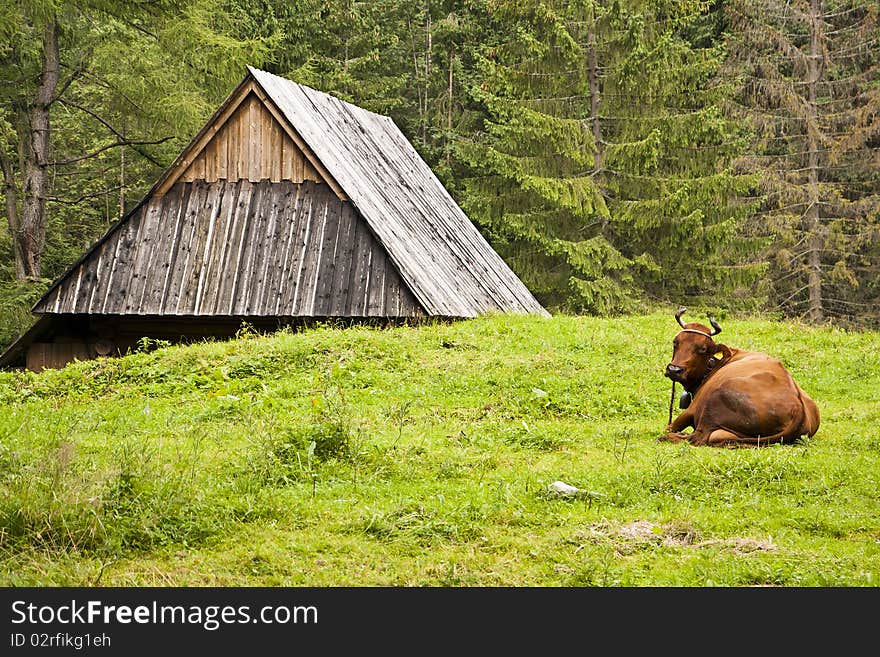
(422, 455)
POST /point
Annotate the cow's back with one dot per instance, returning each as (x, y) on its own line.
(754, 395)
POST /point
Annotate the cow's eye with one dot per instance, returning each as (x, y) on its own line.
(702, 350)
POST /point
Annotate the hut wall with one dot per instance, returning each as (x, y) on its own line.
(51, 355)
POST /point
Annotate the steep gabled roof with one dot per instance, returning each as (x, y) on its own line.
(364, 158)
(448, 264)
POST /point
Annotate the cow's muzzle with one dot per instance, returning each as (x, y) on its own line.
(674, 372)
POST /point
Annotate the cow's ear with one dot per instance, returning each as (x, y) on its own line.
(722, 352)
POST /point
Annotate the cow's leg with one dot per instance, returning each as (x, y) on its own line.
(726, 438)
(696, 437)
(674, 437)
(681, 422)
(675, 430)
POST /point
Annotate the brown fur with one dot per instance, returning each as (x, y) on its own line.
(743, 399)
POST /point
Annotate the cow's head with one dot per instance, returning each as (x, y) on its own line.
(694, 352)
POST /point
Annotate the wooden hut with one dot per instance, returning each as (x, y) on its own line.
(289, 204)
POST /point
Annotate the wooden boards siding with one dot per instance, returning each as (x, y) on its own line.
(41, 356)
(251, 145)
(442, 257)
(292, 203)
(241, 249)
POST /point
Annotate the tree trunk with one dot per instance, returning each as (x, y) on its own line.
(10, 192)
(813, 226)
(30, 237)
(593, 74)
(449, 109)
(122, 174)
(428, 47)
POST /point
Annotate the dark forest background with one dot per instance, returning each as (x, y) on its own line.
(618, 155)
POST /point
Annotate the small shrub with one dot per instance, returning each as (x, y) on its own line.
(16, 300)
(147, 344)
(56, 500)
(294, 453)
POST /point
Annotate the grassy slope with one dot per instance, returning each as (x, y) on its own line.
(422, 455)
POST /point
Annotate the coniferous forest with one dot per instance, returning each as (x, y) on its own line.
(617, 154)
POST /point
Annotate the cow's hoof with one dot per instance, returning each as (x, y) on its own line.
(671, 438)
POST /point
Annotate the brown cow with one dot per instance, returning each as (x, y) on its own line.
(734, 398)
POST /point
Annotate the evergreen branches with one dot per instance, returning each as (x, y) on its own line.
(811, 97)
(681, 151)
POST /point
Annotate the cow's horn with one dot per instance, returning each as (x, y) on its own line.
(678, 315)
(715, 326)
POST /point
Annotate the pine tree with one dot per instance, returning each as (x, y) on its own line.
(602, 174)
(533, 187)
(809, 86)
(352, 49)
(675, 201)
(441, 38)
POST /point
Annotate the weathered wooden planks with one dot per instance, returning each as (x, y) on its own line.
(244, 264)
(42, 356)
(445, 261)
(251, 145)
(239, 249)
(343, 259)
(234, 249)
(254, 225)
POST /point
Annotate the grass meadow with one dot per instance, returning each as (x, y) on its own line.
(422, 456)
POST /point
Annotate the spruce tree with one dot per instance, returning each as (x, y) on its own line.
(602, 174)
(675, 200)
(809, 86)
(352, 49)
(533, 187)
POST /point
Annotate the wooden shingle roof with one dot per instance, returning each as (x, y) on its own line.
(449, 266)
(237, 249)
(442, 260)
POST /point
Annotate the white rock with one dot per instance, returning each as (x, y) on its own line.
(563, 488)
